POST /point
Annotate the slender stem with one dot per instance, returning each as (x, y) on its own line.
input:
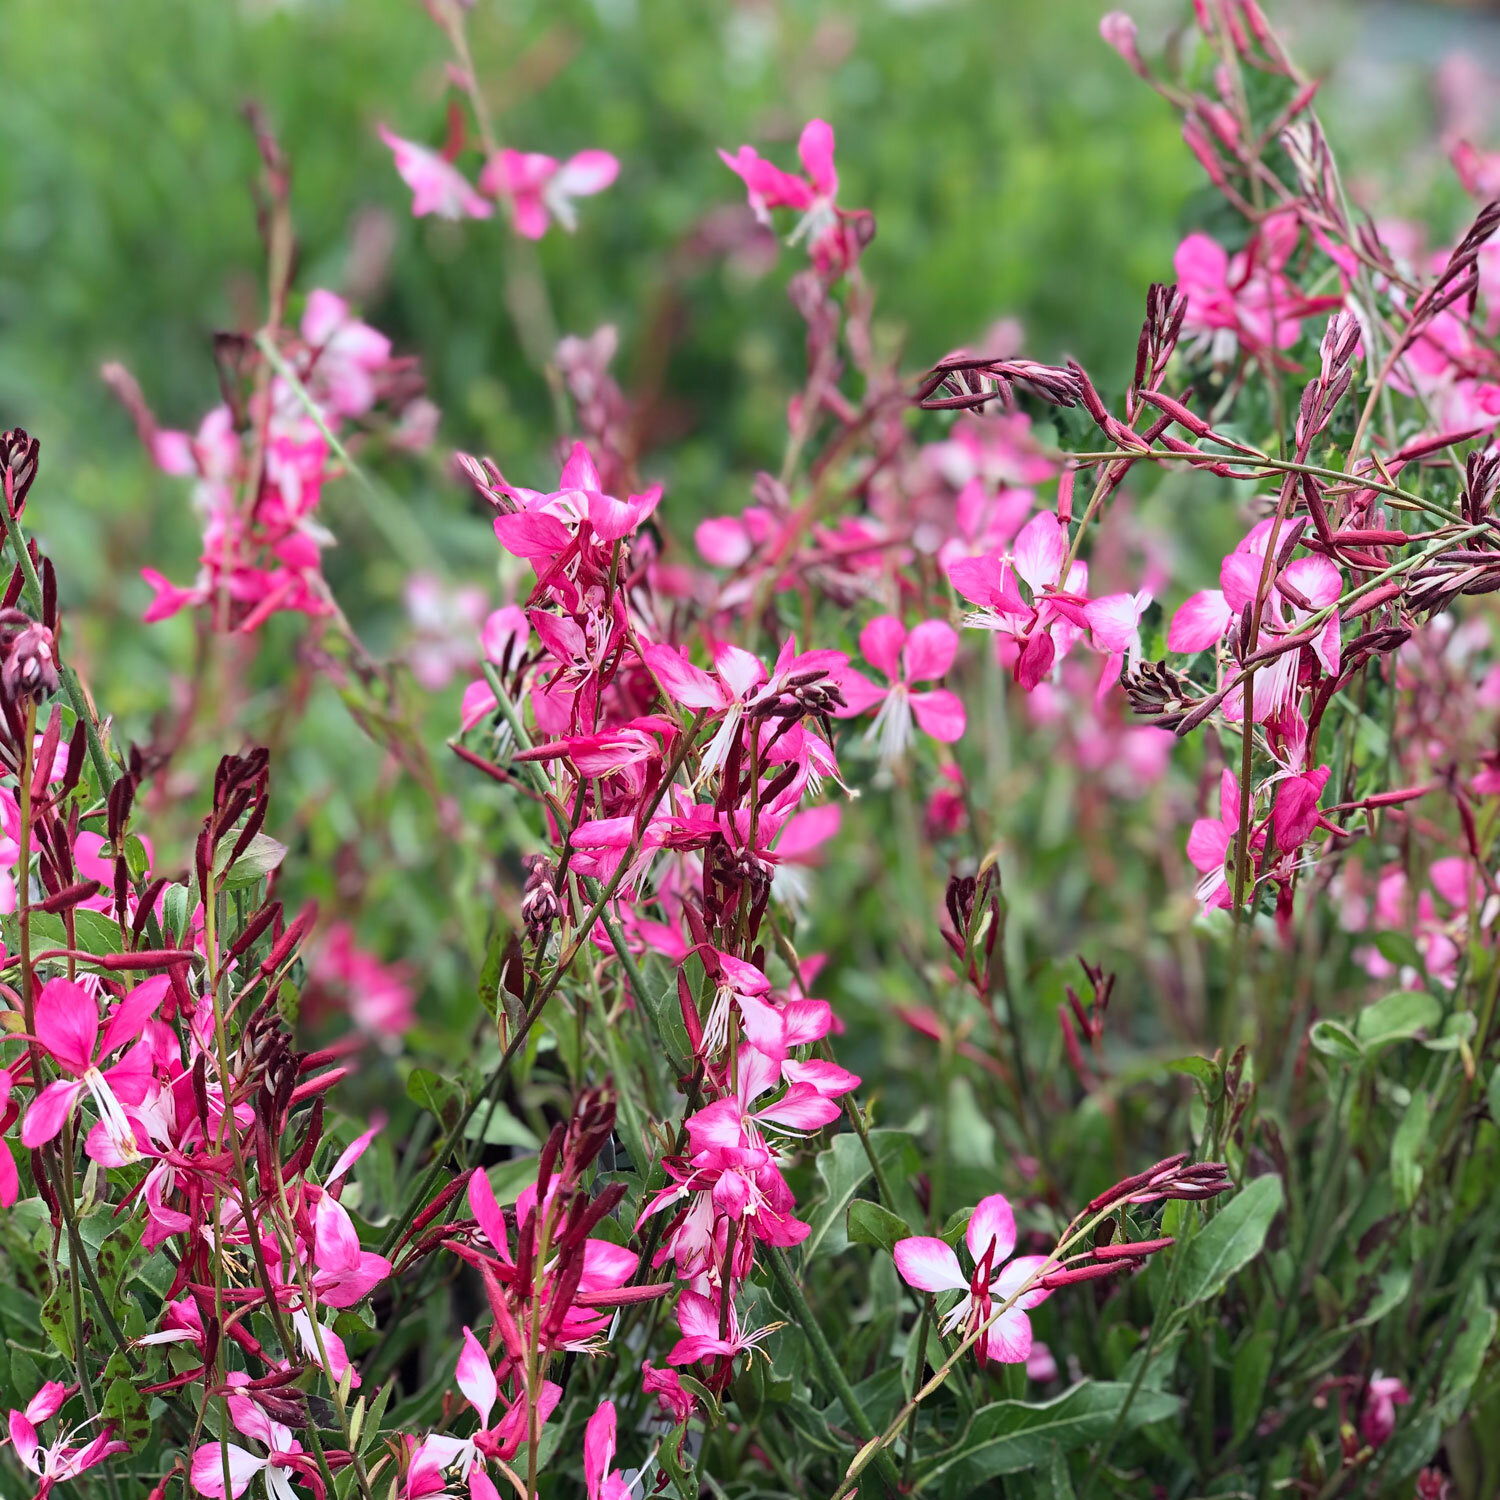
(832, 1370)
(104, 769)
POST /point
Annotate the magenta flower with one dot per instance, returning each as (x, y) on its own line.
(698, 1318)
(599, 1477)
(769, 187)
(930, 1265)
(1377, 1417)
(1246, 298)
(67, 1029)
(540, 188)
(922, 655)
(1045, 627)
(1211, 841)
(283, 1457)
(437, 186)
(59, 1460)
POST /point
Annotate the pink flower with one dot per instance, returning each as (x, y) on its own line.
(834, 237)
(1211, 841)
(676, 1402)
(540, 188)
(348, 355)
(67, 1029)
(599, 1477)
(698, 1318)
(1246, 298)
(58, 1461)
(930, 1265)
(1044, 628)
(284, 1457)
(1377, 1417)
(922, 655)
(437, 186)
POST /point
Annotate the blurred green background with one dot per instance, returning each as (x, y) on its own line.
(1015, 165)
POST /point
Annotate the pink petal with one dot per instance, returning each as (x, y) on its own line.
(723, 541)
(129, 1018)
(1207, 844)
(598, 1447)
(1328, 645)
(208, 1469)
(586, 173)
(681, 681)
(1200, 622)
(1115, 620)
(802, 1108)
(506, 629)
(1014, 1276)
(930, 650)
(44, 1119)
(881, 642)
(479, 702)
(1040, 550)
(1315, 578)
(940, 714)
(1239, 577)
(335, 1239)
(993, 1220)
(929, 1265)
(476, 1379)
(67, 1023)
(859, 693)
(1035, 660)
(815, 148)
(741, 669)
(1201, 262)
(579, 472)
(1008, 1341)
(484, 1208)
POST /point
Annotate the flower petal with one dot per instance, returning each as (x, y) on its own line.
(928, 1264)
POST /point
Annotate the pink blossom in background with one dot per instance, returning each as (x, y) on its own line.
(540, 188)
(906, 658)
(437, 186)
(378, 997)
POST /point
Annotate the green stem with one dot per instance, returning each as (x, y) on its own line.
(832, 1371)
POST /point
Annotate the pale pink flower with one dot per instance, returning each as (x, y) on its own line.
(437, 186)
(540, 188)
(923, 654)
(930, 1265)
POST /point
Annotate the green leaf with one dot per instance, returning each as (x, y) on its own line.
(499, 1127)
(1007, 1437)
(666, 1016)
(1492, 1095)
(845, 1169)
(1336, 1041)
(1247, 1379)
(1396, 1017)
(874, 1224)
(1229, 1241)
(177, 906)
(1407, 1147)
(126, 1408)
(1466, 1358)
(93, 932)
(438, 1095)
(1208, 1075)
(261, 855)
(1398, 949)
(57, 1314)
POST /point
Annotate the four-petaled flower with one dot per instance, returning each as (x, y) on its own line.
(930, 1265)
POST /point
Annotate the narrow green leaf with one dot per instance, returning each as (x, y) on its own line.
(1229, 1241)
